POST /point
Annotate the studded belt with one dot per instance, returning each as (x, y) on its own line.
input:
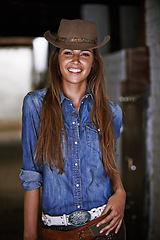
(76, 218)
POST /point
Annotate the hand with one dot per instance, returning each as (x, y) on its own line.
(115, 209)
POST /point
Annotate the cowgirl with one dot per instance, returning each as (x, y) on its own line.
(69, 131)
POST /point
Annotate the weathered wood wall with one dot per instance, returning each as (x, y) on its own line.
(153, 129)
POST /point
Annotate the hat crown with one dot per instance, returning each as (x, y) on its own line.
(76, 34)
(78, 29)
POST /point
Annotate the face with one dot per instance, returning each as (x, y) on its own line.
(75, 65)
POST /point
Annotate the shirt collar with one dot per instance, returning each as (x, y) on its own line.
(62, 97)
(88, 93)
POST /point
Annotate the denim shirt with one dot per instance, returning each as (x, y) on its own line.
(83, 185)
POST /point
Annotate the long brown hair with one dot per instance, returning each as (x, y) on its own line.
(50, 145)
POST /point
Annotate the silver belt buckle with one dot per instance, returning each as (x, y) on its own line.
(79, 218)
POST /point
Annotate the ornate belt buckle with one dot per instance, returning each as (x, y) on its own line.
(79, 218)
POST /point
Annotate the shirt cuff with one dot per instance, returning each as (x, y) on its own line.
(30, 180)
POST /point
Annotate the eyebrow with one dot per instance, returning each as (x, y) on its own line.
(86, 50)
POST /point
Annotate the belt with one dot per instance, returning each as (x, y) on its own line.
(89, 231)
(76, 218)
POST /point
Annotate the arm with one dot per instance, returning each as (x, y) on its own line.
(31, 204)
(115, 206)
(30, 174)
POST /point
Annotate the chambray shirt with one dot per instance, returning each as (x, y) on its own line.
(83, 185)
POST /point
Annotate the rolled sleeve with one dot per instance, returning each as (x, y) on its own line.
(30, 174)
(30, 179)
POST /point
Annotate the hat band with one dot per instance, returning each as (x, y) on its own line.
(75, 40)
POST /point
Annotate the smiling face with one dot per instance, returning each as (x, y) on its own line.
(75, 65)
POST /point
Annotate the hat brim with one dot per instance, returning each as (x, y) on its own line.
(74, 45)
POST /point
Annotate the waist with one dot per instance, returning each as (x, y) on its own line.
(75, 219)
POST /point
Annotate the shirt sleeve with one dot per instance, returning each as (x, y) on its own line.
(117, 122)
(30, 174)
(117, 118)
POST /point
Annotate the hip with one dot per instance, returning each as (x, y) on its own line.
(89, 231)
(78, 225)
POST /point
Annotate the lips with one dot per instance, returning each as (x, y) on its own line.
(75, 70)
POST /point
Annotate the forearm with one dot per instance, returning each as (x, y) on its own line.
(117, 184)
(115, 206)
(31, 204)
(118, 189)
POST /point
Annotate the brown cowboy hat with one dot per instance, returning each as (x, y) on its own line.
(76, 35)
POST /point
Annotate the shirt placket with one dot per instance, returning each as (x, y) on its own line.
(75, 122)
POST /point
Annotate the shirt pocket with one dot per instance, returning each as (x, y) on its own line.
(92, 137)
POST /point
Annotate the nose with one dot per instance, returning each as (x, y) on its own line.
(75, 58)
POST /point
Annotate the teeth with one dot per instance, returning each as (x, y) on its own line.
(74, 70)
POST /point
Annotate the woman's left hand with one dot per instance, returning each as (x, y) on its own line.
(115, 209)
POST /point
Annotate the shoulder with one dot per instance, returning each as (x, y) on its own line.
(117, 117)
(34, 99)
(37, 95)
(115, 109)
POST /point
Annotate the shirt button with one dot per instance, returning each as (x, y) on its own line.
(75, 142)
(78, 206)
(76, 164)
(77, 185)
(73, 122)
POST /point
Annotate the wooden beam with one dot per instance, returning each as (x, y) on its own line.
(16, 41)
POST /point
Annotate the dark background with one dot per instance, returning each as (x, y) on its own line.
(32, 18)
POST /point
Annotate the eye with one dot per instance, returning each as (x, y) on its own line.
(67, 53)
(85, 54)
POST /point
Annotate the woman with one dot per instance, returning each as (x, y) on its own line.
(69, 131)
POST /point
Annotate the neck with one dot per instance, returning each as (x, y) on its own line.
(75, 92)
